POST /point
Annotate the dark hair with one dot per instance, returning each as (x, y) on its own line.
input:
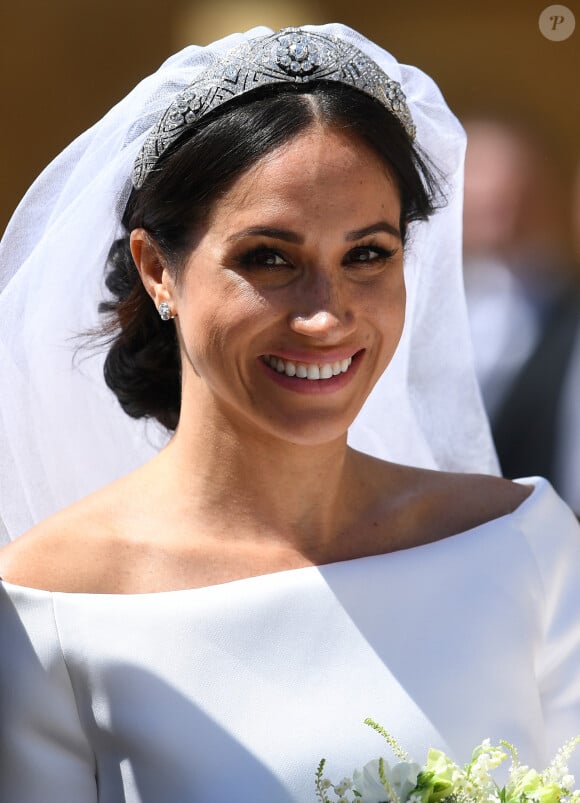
(143, 363)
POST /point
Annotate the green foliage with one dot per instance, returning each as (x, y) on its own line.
(319, 783)
(392, 742)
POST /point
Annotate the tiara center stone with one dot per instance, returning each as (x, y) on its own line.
(297, 54)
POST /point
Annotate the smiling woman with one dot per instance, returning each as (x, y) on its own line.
(267, 139)
(300, 261)
(282, 265)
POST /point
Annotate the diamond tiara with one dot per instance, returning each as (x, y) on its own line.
(292, 56)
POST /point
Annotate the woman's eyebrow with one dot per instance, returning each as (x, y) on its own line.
(268, 231)
(292, 237)
(381, 225)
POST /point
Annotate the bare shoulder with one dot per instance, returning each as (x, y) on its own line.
(421, 506)
(454, 503)
(73, 550)
(483, 497)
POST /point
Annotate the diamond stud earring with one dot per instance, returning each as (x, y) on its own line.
(164, 311)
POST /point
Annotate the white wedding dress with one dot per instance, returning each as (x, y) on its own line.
(233, 693)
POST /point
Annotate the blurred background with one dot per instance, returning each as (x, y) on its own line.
(63, 63)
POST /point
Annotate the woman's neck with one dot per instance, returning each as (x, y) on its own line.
(255, 486)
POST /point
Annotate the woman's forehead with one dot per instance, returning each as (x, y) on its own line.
(323, 169)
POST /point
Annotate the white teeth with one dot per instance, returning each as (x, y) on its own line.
(311, 371)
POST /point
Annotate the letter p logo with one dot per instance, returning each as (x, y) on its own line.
(557, 23)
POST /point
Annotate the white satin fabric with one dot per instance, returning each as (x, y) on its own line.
(234, 692)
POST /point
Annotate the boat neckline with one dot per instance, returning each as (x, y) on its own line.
(538, 485)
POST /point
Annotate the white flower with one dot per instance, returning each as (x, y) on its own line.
(343, 786)
(568, 782)
(444, 780)
(402, 778)
(368, 783)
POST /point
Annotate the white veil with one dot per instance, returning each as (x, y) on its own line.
(62, 432)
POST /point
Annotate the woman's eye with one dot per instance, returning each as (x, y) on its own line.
(263, 258)
(369, 255)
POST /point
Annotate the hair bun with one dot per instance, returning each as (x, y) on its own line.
(142, 367)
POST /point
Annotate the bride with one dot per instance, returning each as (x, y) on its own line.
(212, 622)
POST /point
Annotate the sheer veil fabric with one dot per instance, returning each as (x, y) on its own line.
(62, 432)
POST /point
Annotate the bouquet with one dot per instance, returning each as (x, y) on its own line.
(441, 779)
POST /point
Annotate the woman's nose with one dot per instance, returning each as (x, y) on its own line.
(323, 312)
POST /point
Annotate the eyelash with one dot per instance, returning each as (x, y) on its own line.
(256, 257)
(382, 254)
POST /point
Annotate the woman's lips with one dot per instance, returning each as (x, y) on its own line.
(309, 376)
(308, 370)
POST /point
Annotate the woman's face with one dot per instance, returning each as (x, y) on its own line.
(292, 302)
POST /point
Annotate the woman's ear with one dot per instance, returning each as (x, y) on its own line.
(153, 268)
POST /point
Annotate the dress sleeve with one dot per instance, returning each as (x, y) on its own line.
(44, 753)
(554, 535)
